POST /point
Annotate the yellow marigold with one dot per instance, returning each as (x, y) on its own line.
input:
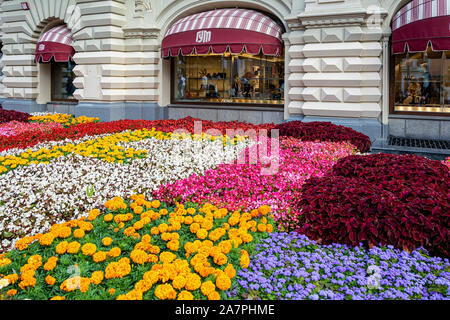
(173, 245)
(12, 278)
(51, 263)
(152, 258)
(207, 287)
(262, 227)
(46, 239)
(154, 231)
(151, 277)
(138, 209)
(179, 282)
(191, 211)
(114, 252)
(99, 256)
(139, 256)
(107, 241)
(146, 238)
(223, 282)
(185, 295)
(193, 282)
(97, 277)
(58, 298)
(165, 291)
(88, 249)
(23, 243)
(35, 261)
(129, 231)
(247, 238)
(111, 291)
(11, 292)
(74, 283)
(108, 217)
(156, 204)
(269, 228)
(118, 269)
(214, 296)
(4, 262)
(85, 226)
(93, 214)
(188, 220)
(163, 227)
(27, 282)
(207, 224)
(73, 247)
(230, 271)
(78, 233)
(64, 232)
(244, 259)
(167, 257)
(264, 210)
(50, 280)
(220, 259)
(225, 246)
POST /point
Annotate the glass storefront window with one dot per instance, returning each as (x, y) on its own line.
(422, 82)
(62, 81)
(228, 78)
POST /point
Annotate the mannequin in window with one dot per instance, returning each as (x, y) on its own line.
(236, 86)
(246, 85)
(413, 92)
(182, 85)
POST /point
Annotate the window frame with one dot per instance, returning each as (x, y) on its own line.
(392, 110)
(52, 89)
(174, 102)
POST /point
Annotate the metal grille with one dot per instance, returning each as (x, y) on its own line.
(419, 143)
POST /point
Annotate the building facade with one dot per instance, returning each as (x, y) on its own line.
(366, 64)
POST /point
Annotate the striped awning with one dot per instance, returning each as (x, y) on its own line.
(55, 43)
(218, 31)
(421, 23)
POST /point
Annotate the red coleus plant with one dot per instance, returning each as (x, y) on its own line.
(11, 115)
(324, 131)
(379, 199)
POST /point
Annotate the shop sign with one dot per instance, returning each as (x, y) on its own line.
(203, 36)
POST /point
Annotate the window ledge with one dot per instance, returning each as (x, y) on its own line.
(419, 117)
(230, 107)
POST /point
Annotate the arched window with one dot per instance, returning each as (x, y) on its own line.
(226, 56)
(421, 58)
(55, 48)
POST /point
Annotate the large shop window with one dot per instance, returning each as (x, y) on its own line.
(226, 56)
(421, 58)
(55, 47)
(229, 79)
(62, 81)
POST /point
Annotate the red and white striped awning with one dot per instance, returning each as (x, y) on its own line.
(55, 43)
(222, 30)
(420, 23)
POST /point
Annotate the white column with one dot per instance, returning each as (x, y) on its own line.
(385, 82)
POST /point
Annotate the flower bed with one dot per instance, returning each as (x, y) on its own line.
(63, 185)
(11, 115)
(137, 250)
(66, 120)
(52, 182)
(290, 266)
(324, 131)
(93, 129)
(245, 186)
(389, 199)
(14, 128)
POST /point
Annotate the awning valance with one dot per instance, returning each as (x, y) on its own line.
(421, 23)
(218, 31)
(55, 43)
